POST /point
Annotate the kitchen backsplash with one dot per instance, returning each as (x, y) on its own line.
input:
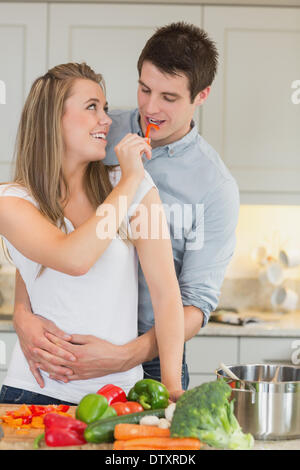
(250, 294)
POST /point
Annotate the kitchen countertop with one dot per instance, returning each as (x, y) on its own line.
(272, 324)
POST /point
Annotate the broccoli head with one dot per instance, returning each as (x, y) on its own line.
(206, 413)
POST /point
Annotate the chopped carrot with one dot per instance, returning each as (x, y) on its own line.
(124, 431)
(158, 443)
(23, 417)
(24, 410)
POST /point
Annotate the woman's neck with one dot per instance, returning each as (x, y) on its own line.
(74, 177)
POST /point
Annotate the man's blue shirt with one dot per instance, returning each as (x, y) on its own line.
(201, 201)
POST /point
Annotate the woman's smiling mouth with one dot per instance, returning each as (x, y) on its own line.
(99, 136)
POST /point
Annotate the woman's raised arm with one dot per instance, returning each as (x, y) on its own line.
(75, 253)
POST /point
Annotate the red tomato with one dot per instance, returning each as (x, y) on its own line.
(125, 408)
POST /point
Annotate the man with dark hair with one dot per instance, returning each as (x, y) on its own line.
(176, 69)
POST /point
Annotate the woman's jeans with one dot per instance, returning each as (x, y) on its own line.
(152, 371)
(20, 396)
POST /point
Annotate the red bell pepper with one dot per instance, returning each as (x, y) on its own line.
(112, 393)
(61, 431)
(39, 410)
(127, 407)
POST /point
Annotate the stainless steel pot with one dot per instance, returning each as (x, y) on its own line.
(272, 412)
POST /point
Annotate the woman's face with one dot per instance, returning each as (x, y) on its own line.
(85, 123)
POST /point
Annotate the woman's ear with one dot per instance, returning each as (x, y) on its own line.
(201, 97)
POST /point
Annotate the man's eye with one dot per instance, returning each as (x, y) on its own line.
(169, 100)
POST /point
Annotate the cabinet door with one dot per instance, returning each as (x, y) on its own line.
(204, 353)
(198, 379)
(267, 350)
(7, 343)
(22, 59)
(250, 117)
(110, 38)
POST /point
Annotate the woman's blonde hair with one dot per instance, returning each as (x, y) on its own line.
(39, 145)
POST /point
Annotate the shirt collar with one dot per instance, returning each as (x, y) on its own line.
(173, 149)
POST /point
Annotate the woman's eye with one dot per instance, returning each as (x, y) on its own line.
(145, 91)
(90, 106)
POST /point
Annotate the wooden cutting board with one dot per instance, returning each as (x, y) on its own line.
(23, 439)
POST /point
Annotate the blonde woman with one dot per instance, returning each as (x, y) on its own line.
(69, 233)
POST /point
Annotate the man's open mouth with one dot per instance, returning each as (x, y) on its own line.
(157, 122)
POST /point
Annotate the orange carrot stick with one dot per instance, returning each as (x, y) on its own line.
(159, 443)
(124, 431)
(155, 126)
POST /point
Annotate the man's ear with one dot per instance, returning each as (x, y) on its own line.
(201, 97)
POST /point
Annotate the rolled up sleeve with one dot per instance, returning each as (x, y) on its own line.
(203, 268)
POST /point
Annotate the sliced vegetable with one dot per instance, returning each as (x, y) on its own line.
(26, 417)
(124, 431)
(112, 393)
(155, 126)
(125, 408)
(150, 393)
(158, 443)
(103, 430)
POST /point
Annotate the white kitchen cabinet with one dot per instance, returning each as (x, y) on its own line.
(23, 31)
(7, 343)
(266, 350)
(249, 116)
(204, 354)
(198, 379)
(110, 38)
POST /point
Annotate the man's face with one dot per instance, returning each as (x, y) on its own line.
(164, 99)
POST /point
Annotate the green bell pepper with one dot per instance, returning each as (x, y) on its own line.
(93, 407)
(150, 393)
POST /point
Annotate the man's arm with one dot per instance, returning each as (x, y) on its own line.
(144, 348)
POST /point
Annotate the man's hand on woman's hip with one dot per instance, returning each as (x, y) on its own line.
(66, 357)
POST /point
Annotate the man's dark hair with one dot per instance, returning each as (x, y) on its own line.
(182, 47)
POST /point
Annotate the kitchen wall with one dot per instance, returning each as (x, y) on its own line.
(277, 227)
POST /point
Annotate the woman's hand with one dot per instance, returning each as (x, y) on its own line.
(129, 152)
(175, 395)
(31, 330)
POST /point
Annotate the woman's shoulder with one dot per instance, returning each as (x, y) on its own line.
(16, 190)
